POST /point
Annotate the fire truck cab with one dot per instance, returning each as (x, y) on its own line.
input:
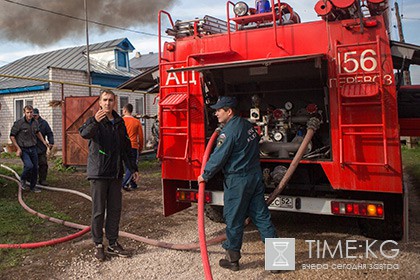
(283, 72)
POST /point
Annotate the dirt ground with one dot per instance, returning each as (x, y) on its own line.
(142, 215)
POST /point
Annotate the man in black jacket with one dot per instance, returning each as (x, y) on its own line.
(24, 134)
(109, 147)
(47, 133)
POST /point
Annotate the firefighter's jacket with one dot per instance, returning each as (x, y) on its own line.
(237, 150)
(109, 147)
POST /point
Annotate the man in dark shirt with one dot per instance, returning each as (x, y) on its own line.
(23, 135)
(237, 155)
(47, 133)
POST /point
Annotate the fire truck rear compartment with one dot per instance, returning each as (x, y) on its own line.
(279, 99)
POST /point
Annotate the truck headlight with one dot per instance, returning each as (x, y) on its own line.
(240, 9)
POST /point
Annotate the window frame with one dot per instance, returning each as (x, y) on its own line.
(139, 105)
(119, 59)
(25, 101)
(123, 100)
(140, 108)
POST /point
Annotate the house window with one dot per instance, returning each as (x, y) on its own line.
(139, 106)
(123, 102)
(19, 105)
(121, 60)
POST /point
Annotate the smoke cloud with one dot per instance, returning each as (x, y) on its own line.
(25, 24)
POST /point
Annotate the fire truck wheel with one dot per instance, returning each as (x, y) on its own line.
(389, 228)
(214, 213)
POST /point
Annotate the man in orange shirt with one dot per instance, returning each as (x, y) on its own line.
(135, 132)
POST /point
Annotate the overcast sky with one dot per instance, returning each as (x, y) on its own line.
(25, 37)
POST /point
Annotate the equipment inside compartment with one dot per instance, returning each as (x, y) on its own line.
(279, 99)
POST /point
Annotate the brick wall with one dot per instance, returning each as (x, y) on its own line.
(71, 76)
(40, 101)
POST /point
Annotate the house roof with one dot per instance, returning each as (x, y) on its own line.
(404, 54)
(36, 66)
(145, 61)
(146, 81)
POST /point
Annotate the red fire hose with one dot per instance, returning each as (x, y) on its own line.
(312, 127)
(200, 210)
(85, 229)
(153, 242)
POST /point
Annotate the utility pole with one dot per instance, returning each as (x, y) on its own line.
(406, 73)
(399, 25)
(87, 47)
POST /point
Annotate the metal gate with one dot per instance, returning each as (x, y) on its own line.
(76, 110)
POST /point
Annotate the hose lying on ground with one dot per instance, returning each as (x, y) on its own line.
(153, 242)
(85, 229)
(313, 125)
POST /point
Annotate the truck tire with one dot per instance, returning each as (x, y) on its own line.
(214, 213)
(389, 228)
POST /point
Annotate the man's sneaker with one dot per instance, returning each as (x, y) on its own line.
(35, 190)
(99, 252)
(117, 250)
(23, 185)
(44, 183)
(127, 188)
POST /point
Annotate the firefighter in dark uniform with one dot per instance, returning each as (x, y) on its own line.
(237, 154)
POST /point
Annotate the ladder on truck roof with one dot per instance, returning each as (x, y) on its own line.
(360, 94)
(197, 27)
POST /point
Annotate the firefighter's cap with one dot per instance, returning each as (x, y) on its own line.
(225, 101)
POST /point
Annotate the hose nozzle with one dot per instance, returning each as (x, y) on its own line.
(313, 123)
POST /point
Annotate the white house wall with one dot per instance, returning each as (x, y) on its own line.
(53, 115)
(105, 57)
(149, 109)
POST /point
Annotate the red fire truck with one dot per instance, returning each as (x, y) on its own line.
(284, 72)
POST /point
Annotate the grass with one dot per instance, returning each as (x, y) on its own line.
(8, 155)
(17, 225)
(148, 164)
(411, 161)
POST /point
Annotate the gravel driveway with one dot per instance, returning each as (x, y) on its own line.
(157, 263)
(142, 216)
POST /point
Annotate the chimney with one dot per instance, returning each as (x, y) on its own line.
(138, 54)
